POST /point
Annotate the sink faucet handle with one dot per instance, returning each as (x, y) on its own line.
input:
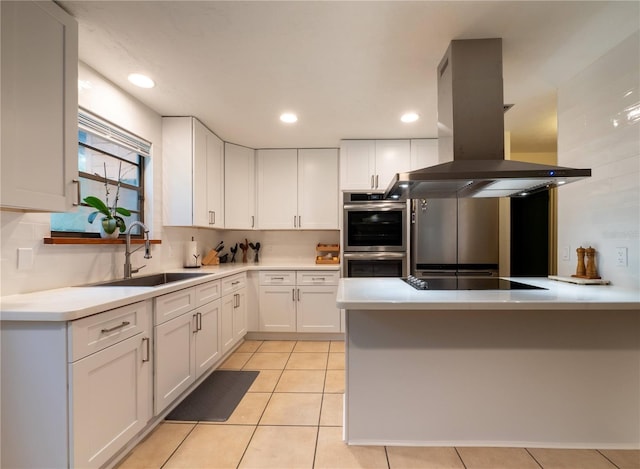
(135, 271)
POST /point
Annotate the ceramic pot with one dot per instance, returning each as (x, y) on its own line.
(109, 229)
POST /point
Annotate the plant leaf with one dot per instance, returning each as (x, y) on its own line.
(123, 211)
(92, 216)
(98, 205)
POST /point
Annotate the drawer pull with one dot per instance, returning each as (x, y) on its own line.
(115, 328)
(277, 278)
(236, 282)
(145, 340)
(317, 279)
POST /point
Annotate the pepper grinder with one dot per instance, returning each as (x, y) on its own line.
(581, 270)
(591, 263)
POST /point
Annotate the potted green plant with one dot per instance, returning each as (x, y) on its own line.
(112, 222)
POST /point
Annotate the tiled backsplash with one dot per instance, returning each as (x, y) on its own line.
(599, 128)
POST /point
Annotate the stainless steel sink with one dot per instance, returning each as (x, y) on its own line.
(153, 280)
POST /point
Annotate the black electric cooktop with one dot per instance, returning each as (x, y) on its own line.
(467, 283)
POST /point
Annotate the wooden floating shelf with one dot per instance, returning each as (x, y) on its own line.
(97, 241)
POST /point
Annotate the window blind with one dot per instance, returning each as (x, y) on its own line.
(95, 125)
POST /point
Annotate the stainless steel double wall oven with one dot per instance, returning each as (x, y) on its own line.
(374, 236)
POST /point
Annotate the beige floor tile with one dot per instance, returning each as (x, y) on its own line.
(307, 361)
(277, 346)
(212, 446)
(281, 448)
(154, 451)
(249, 346)
(570, 459)
(236, 361)
(497, 458)
(334, 382)
(404, 457)
(267, 361)
(249, 409)
(266, 381)
(333, 453)
(292, 409)
(336, 361)
(312, 346)
(332, 409)
(336, 346)
(301, 381)
(623, 458)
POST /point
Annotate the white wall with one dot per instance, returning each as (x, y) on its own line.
(599, 128)
(65, 265)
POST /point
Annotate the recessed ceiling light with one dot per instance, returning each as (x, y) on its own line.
(142, 81)
(288, 117)
(409, 117)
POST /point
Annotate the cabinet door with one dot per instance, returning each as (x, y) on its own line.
(39, 99)
(226, 322)
(318, 189)
(239, 187)
(424, 153)
(277, 309)
(240, 315)
(277, 189)
(207, 347)
(111, 387)
(177, 160)
(392, 156)
(215, 181)
(317, 311)
(200, 175)
(357, 165)
(174, 364)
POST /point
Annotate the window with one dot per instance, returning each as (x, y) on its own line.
(108, 157)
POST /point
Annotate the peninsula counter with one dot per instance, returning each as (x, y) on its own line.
(540, 368)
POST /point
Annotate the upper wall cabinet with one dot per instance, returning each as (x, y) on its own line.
(193, 174)
(39, 107)
(369, 165)
(297, 189)
(239, 187)
(424, 153)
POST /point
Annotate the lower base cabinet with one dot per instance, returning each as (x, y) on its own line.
(302, 301)
(233, 325)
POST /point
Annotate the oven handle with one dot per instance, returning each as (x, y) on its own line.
(374, 255)
(381, 207)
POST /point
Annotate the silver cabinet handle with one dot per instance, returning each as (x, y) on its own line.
(115, 328)
(277, 278)
(77, 183)
(293, 294)
(212, 222)
(195, 320)
(376, 181)
(298, 294)
(314, 279)
(199, 321)
(253, 219)
(236, 282)
(372, 186)
(145, 340)
(294, 222)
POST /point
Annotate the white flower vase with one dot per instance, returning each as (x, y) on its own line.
(109, 229)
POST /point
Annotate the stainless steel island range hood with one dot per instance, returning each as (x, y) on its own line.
(471, 135)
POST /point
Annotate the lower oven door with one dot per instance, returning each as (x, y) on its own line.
(374, 264)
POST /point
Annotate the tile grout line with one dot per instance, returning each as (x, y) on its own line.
(460, 457)
(179, 445)
(605, 456)
(534, 458)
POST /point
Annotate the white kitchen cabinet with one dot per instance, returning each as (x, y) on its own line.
(239, 187)
(193, 165)
(75, 392)
(369, 165)
(39, 99)
(424, 153)
(297, 189)
(186, 342)
(233, 325)
(302, 301)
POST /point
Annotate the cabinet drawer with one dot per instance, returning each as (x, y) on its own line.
(174, 304)
(312, 277)
(233, 283)
(278, 277)
(94, 333)
(207, 292)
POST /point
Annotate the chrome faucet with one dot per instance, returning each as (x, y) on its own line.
(127, 254)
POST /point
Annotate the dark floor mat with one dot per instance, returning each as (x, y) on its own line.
(216, 398)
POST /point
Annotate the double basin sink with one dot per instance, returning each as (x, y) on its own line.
(153, 280)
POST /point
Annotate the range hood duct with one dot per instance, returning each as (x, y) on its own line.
(471, 135)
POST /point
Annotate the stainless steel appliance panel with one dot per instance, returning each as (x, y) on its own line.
(374, 264)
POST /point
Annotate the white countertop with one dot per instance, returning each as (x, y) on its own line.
(395, 294)
(70, 303)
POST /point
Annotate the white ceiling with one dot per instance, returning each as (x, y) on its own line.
(348, 69)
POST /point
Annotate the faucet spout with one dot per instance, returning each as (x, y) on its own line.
(127, 254)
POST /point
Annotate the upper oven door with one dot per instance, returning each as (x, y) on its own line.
(376, 226)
